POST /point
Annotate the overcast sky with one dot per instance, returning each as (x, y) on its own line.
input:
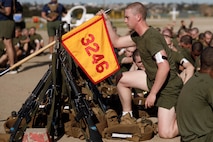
(117, 1)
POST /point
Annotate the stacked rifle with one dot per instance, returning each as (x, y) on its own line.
(58, 92)
(65, 101)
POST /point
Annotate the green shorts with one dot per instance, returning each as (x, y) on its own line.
(206, 138)
(7, 29)
(52, 27)
(168, 96)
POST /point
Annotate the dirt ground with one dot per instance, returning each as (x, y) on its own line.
(16, 88)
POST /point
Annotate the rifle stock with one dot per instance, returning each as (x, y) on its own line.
(59, 74)
(28, 107)
(83, 109)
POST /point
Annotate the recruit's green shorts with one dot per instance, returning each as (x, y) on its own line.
(205, 138)
(52, 27)
(168, 96)
(7, 29)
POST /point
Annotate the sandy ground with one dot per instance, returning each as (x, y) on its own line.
(16, 88)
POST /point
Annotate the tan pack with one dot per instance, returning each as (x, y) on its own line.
(129, 128)
(53, 11)
(4, 137)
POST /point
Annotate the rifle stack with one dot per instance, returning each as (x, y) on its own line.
(65, 101)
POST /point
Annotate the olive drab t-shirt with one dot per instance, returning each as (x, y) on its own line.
(149, 44)
(187, 54)
(16, 41)
(36, 37)
(177, 57)
(33, 39)
(194, 108)
(123, 67)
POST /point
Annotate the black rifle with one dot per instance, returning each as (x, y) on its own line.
(57, 76)
(82, 107)
(97, 96)
(55, 119)
(28, 108)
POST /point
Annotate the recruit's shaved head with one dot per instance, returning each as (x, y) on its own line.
(207, 59)
(138, 8)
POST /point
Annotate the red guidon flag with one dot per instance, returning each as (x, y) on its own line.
(90, 46)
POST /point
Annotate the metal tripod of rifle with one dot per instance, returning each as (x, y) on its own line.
(57, 83)
(81, 105)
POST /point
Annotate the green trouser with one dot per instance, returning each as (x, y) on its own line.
(7, 29)
(52, 27)
(205, 138)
